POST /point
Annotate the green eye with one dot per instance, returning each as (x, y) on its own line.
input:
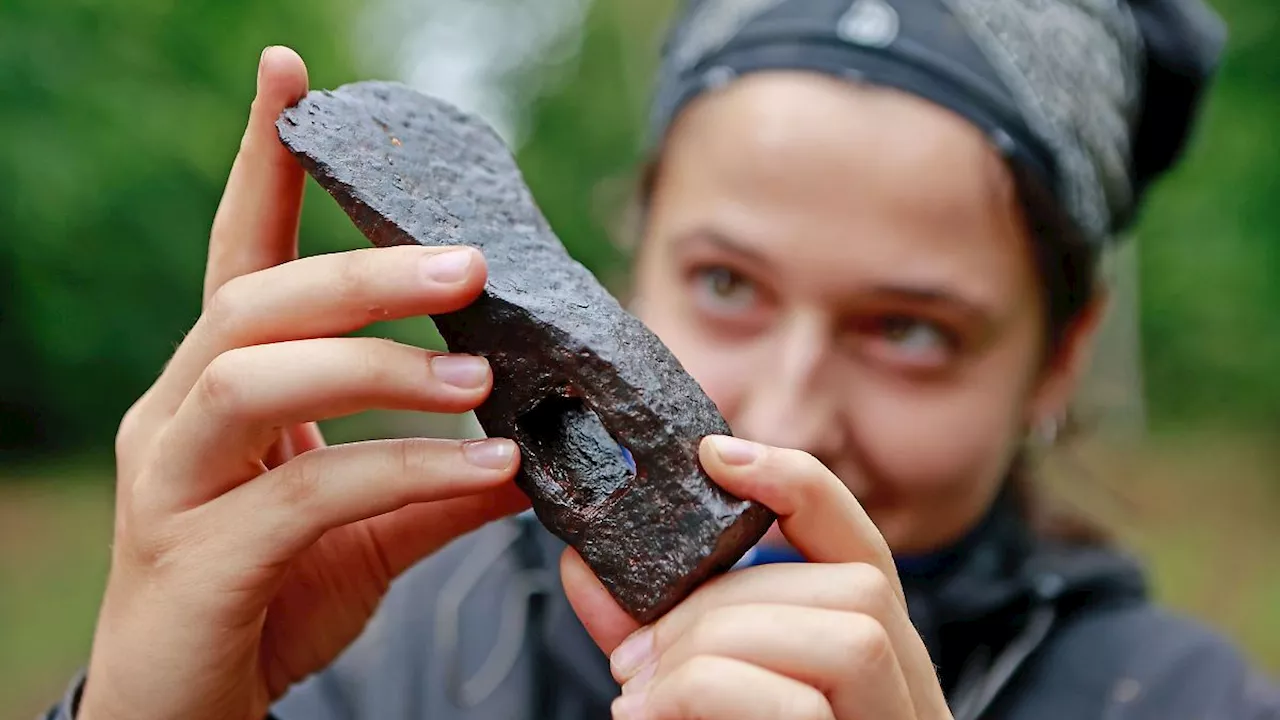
(915, 336)
(726, 287)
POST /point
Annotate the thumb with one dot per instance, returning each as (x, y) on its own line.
(605, 620)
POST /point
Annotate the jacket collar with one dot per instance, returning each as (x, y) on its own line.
(1002, 564)
(986, 605)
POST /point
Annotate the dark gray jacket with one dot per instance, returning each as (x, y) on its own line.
(1021, 629)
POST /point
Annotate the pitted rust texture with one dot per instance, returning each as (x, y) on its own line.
(575, 375)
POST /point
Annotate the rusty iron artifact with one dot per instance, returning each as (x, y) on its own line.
(576, 378)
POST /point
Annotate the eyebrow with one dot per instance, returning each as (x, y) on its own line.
(717, 239)
(931, 296)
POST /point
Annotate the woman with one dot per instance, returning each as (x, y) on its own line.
(871, 232)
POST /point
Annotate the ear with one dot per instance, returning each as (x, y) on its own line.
(1063, 372)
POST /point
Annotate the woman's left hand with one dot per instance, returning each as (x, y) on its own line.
(824, 640)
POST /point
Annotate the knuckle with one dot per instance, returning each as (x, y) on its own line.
(131, 434)
(351, 276)
(718, 624)
(805, 472)
(812, 467)
(806, 703)
(863, 641)
(228, 303)
(870, 587)
(698, 677)
(800, 462)
(408, 459)
(151, 551)
(299, 480)
(218, 389)
(374, 363)
(147, 540)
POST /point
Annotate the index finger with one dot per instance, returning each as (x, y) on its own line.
(256, 226)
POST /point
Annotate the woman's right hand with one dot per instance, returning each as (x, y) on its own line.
(246, 554)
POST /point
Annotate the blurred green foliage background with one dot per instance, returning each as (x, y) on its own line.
(120, 121)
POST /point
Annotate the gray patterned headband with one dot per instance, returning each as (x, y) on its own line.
(1064, 88)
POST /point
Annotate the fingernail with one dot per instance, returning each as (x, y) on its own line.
(491, 454)
(466, 372)
(629, 707)
(641, 679)
(735, 451)
(447, 267)
(633, 654)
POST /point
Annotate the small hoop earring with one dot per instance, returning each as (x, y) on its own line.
(1047, 431)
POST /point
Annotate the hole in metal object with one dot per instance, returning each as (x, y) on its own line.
(569, 445)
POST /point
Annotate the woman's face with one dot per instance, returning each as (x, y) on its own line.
(845, 271)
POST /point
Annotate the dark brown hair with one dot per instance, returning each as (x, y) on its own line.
(1068, 267)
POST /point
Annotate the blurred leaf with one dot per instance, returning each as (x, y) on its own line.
(122, 121)
(1210, 244)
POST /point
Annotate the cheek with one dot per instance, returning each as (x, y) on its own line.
(950, 442)
(933, 459)
(938, 445)
(723, 370)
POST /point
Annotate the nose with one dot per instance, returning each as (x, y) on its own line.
(790, 401)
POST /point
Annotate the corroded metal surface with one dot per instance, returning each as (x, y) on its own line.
(575, 375)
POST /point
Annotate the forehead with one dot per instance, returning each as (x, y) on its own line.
(836, 183)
